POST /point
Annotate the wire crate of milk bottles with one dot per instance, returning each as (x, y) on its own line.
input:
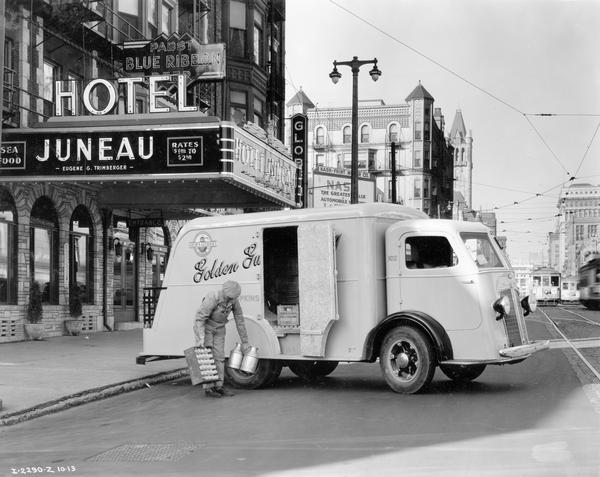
(201, 364)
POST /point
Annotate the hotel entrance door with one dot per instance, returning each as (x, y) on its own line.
(124, 286)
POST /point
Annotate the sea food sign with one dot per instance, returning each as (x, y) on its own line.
(175, 54)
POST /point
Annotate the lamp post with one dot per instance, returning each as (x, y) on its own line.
(335, 76)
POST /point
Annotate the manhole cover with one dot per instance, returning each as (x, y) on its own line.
(146, 453)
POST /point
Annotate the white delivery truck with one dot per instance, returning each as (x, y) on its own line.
(353, 283)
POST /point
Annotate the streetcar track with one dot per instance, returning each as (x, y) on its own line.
(572, 346)
(591, 322)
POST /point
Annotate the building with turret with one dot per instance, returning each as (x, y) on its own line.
(424, 157)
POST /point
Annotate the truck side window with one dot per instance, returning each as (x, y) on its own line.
(429, 252)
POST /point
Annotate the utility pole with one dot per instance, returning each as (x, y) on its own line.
(335, 76)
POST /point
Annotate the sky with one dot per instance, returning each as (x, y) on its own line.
(501, 62)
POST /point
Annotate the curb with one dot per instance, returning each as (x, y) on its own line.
(90, 395)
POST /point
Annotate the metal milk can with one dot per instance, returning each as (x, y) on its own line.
(235, 357)
(250, 360)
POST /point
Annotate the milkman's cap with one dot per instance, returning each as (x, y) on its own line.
(232, 289)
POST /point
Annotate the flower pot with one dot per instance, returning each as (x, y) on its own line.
(74, 326)
(35, 331)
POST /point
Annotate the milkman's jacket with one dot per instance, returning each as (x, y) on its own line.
(213, 313)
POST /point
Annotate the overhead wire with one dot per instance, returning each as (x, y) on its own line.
(482, 90)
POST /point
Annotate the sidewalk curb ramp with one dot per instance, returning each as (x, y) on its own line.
(89, 395)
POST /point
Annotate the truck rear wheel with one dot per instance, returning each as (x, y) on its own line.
(310, 370)
(462, 373)
(267, 372)
(406, 359)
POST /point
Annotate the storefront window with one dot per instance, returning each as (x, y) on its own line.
(44, 248)
(8, 251)
(81, 253)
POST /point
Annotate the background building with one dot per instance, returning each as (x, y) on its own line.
(577, 227)
(424, 157)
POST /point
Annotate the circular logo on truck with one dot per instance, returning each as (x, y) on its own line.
(203, 244)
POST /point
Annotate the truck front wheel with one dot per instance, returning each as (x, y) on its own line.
(406, 359)
(310, 370)
(267, 372)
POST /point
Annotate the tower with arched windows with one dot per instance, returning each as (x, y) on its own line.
(463, 159)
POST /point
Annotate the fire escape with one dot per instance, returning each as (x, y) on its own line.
(91, 27)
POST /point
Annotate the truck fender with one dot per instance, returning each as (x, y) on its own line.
(260, 335)
(431, 327)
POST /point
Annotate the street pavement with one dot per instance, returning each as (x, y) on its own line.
(41, 377)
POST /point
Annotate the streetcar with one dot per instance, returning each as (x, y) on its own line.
(589, 284)
(569, 291)
(546, 286)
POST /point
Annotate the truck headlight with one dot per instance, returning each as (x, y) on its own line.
(502, 306)
(529, 304)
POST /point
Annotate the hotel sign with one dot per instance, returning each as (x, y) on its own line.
(38, 152)
(262, 165)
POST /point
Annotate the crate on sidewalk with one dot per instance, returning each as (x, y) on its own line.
(201, 364)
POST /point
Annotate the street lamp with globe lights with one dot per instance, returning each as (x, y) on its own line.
(335, 76)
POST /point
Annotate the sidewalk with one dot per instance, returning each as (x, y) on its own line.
(40, 377)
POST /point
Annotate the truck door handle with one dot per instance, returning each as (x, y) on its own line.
(468, 282)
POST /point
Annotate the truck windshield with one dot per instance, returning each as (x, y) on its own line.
(481, 250)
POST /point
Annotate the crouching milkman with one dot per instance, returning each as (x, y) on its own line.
(209, 329)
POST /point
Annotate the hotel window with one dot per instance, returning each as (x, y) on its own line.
(80, 253)
(237, 29)
(347, 135)
(129, 15)
(258, 43)
(364, 133)
(426, 184)
(320, 160)
(258, 112)
(426, 154)
(51, 74)
(238, 106)
(167, 18)
(43, 240)
(592, 231)
(8, 248)
(393, 133)
(579, 232)
(320, 134)
(153, 18)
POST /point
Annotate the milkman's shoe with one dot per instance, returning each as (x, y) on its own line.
(224, 392)
(213, 393)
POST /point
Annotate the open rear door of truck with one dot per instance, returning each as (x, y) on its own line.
(318, 286)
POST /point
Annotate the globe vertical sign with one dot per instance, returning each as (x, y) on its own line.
(299, 138)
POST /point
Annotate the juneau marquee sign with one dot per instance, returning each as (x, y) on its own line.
(38, 152)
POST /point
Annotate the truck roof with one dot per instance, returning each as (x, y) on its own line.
(376, 209)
